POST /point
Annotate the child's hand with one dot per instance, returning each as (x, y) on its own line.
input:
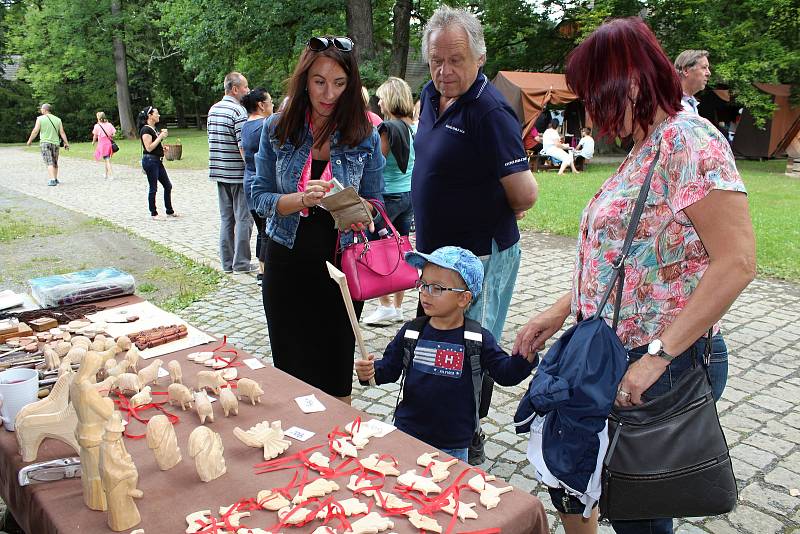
(365, 369)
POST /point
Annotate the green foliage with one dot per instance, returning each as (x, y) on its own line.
(17, 111)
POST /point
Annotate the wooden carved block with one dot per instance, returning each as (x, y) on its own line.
(205, 446)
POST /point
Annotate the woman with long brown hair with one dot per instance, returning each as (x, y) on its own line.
(322, 135)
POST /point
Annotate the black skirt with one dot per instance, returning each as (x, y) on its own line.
(309, 330)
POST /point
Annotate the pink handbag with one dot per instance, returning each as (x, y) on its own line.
(376, 268)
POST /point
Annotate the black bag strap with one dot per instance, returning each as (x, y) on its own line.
(104, 130)
(54, 126)
(619, 264)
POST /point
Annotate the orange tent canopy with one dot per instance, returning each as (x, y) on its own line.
(529, 92)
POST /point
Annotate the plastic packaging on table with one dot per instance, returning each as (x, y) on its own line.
(81, 286)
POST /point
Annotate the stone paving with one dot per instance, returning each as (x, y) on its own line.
(759, 409)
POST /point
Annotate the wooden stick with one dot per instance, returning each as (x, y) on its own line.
(339, 278)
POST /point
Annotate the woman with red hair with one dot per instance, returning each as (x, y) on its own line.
(693, 251)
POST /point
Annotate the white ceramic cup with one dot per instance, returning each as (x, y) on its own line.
(18, 387)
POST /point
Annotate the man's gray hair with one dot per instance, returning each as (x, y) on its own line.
(232, 79)
(45, 106)
(688, 59)
(445, 17)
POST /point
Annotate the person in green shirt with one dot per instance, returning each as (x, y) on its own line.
(50, 130)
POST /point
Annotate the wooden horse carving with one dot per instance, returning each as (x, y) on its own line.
(52, 417)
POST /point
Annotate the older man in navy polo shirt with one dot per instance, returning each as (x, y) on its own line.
(471, 180)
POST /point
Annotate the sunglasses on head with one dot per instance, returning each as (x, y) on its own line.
(318, 44)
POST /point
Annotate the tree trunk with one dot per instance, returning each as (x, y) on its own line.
(359, 26)
(402, 20)
(121, 66)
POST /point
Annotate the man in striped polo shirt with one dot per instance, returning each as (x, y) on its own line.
(226, 167)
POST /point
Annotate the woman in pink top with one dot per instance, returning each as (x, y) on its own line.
(102, 134)
(694, 249)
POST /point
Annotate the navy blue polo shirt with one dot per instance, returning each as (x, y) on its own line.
(460, 158)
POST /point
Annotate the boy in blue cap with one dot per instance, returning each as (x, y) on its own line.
(441, 357)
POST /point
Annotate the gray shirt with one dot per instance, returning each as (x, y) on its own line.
(224, 125)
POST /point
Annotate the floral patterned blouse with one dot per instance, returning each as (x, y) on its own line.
(667, 258)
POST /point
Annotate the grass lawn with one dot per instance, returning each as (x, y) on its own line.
(774, 205)
(194, 156)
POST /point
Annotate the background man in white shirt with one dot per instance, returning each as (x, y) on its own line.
(694, 71)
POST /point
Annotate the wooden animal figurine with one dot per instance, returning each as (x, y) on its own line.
(229, 401)
(246, 387)
(294, 515)
(490, 495)
(162, 440)
(120, 477)
(374, 463)
(141, 398)
(51, 359)
(132, 357)
(389, 501)
(180, 394)
(92, 411)
(271, 500)
(115, 369)
(360, 433)
(264, 434)
(318, 461)
(52, 417)
(422, 484)
(439, 470)
(349, 507)
(205, 446)
(318, 488)
(76, 354)
(81, 341)
(372, 523)
(62, 348)
(111, 344)
(123, 343)
(344, 447)
(358, 486)
(423, 522)
(127, 382)
(175, 373)
(229, 374)
(233, 518)
(202, 405)
(105, 387)
(197, 521)
(199, 357)
(105, 355)
(150, 373)
(99, 343)
(210, 379)
(465, 510)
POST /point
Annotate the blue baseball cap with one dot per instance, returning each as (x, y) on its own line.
(456, 259)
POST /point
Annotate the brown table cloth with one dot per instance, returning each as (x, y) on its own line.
(169, 496)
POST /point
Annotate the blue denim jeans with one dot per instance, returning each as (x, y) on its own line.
(499, 276)
(398, 208)
(460, 454)
(717, 371)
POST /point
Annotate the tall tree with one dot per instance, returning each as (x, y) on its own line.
(360, 27)
(121, 68)
(400, 38)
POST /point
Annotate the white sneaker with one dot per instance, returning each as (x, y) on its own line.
(399, 318)
(382, 314)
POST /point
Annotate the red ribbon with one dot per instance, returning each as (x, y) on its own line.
(124, 405)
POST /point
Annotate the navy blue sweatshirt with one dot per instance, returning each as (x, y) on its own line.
(438, 405)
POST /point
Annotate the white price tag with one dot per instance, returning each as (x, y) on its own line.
(298, 433)
(210, 398)
(310, 404)
(254, 363)
(162, 372)
(379, 427)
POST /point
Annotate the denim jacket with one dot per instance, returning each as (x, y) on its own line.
(278, 169)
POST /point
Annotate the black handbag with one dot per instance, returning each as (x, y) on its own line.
(114, 145)
(668, 457)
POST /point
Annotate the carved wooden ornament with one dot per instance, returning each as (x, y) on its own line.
(205, 446)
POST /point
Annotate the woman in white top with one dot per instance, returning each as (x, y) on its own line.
(553, 147)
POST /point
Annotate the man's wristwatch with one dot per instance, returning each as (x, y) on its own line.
(655, 348)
